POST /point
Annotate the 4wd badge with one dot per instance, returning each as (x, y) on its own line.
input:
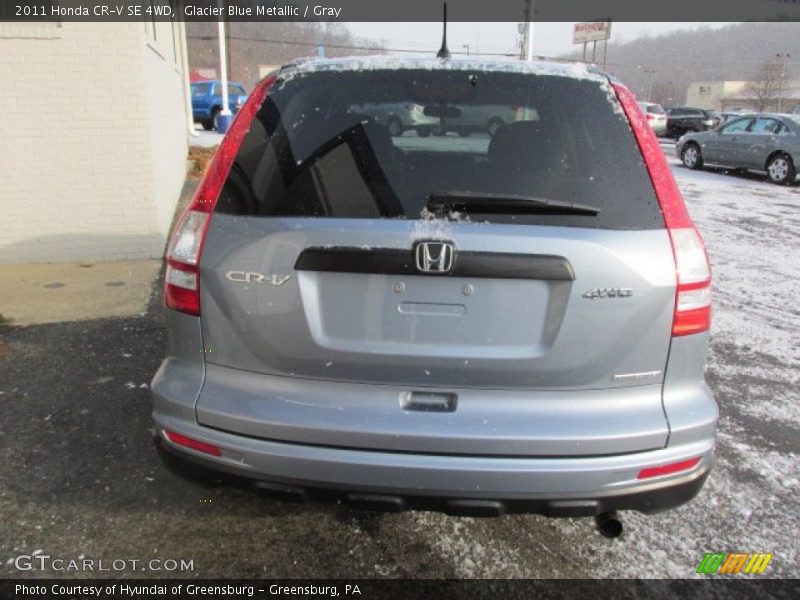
(608, 293)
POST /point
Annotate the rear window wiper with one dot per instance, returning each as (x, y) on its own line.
(494, 203)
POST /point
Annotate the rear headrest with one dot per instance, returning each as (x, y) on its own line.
(526, 143)
(378, 135)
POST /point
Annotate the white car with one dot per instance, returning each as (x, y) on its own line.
(656, 117)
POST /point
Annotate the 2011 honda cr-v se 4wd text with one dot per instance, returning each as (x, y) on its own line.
(475, 324)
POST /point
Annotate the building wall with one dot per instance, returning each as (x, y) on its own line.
(167, 122)
(723, 95)
(83, 175)
(705, 94)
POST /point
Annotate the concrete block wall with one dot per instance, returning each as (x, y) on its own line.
(94, 142)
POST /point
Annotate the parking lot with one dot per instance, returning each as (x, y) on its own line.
(79, 476)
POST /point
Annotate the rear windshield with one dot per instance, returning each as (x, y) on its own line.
(655, 109)
(380, 144)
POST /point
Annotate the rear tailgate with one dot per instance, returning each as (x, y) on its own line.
(548, 336)
(342, 322)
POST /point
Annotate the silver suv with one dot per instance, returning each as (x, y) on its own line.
(475, 325)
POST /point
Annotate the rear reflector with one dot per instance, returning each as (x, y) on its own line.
(182, 440)
(693, 291)
(684, 465)
(182, 283)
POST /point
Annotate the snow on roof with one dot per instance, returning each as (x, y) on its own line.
(382, 63)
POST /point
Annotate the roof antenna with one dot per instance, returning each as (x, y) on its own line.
(443, 51)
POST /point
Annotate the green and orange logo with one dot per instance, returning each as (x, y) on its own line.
(734, 562)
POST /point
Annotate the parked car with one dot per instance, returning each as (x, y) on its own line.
(482, 119)
(207, 100)
(729, 115)
(683, 119)
(400, 117)
(517, 323)
(656, 117)
(764, 142)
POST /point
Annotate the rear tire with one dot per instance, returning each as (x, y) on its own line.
(214, 115)
(207, 125)
(424, 132)
(691, 157)
(781, 170)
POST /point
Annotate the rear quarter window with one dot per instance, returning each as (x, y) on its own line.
(321, 146)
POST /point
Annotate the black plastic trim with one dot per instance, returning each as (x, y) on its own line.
(394, 261)
(648, 500)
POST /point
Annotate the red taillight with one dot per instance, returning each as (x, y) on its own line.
(693, 292)
(182, 440)
(182, 281)
(669, 469)
(650, 117)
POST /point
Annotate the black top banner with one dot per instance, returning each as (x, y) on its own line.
(400, 10)
(393, 589)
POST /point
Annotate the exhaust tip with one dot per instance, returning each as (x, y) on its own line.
(609, 525)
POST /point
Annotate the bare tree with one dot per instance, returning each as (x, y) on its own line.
(766, 87)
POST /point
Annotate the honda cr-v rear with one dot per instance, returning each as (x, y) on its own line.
(473, 324)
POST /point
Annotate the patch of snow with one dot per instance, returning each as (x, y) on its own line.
(574, 70)
(467, 545)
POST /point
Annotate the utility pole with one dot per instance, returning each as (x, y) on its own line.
(467, 48)
(527, 40)
(784, 59)
(225, 118)
(650, 83)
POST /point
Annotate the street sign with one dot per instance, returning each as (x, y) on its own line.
(592, 31)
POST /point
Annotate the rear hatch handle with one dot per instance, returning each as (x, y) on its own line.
(396, 261)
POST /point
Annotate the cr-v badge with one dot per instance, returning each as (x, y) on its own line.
(251, 277)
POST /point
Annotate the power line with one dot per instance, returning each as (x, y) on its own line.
(375, 48)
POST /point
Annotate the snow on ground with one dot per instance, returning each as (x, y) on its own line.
(752, 230)
(749, 504)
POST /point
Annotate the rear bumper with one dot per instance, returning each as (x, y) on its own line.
(575, 486)
(416, 476)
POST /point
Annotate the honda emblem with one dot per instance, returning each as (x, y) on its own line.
(434, 257)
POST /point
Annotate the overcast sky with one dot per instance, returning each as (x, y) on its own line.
(550, 39)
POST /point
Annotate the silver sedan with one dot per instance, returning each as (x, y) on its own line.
(766, 142)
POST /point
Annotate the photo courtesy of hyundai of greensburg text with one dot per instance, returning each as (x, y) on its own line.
(399, 299)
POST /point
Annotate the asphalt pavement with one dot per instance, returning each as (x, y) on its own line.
(79, 476)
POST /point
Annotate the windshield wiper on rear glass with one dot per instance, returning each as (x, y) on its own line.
(493, 203)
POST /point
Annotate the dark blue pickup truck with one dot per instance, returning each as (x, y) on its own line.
(207, 100)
